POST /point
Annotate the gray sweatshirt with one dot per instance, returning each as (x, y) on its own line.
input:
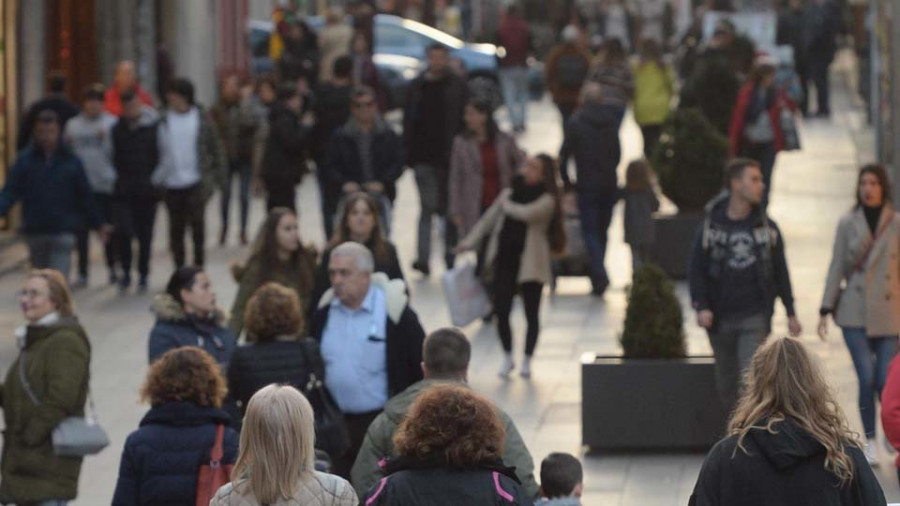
(91, 140)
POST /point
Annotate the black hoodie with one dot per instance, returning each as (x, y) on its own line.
(592, 138)
(786, 468)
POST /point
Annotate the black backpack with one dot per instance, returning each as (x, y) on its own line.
(571, 71)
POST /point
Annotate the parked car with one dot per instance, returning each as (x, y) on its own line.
(400, 46)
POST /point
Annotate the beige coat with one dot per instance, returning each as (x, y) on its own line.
(869, 298)
(535, 263)
(318, 489)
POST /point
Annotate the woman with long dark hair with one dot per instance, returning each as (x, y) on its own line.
(360, 223)
(524, 229)
(483, 162)
(867, 308)
(278, 255)
(789, 442)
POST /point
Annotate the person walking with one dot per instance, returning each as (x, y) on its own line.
(278, 255)
(525, 228)
(276, 464)
(89, 135)
(820, 27)
(283, 166)
(593, 140)
(483, 163)
(160, 460)
(192, 165)
(361, 224)
(432, 118)
(332, 111)
(364, 72)
(790, 33)
(300, 59)
(55, 101)
(755, 131)
(449, 458)
(187, 315)
(613, 74)
(737, 270)
(867, 308)
(514, 35)
(788, 441)
(46, 383)
(237, 121)
(57, 199)
(654, 89)
(371, 341)
(135, 139)
(366, 155)
(124, 81)
(567, 69)
(335, 39)
(640, 204)
(265, 97)
(445, 361)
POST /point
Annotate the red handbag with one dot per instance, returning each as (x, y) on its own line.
(213, 476)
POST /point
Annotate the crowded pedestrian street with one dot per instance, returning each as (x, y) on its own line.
(811, 191)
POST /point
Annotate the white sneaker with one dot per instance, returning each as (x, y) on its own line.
(525, 370)
(508, 366)
(871, 451)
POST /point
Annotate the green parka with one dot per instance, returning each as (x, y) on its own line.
(57, 367)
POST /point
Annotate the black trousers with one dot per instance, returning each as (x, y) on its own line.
(281, 195)
(531, 292)
(357, 426)
(134, 219)
(186, 209)
(105, 204)
(651, 135)
(818, 76)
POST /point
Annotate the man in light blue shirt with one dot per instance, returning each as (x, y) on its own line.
(371, 341)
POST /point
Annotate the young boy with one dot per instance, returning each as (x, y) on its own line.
(561, 481)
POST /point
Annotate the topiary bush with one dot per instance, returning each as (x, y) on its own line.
(653, 320)
(689, 159)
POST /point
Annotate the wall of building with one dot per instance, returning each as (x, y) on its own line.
(189, 33)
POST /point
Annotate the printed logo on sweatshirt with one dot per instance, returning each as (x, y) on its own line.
(743, 250)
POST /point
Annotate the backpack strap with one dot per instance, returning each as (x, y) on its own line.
(218, 449)
(506, 496)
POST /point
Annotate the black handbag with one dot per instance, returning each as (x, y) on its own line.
(331, 429)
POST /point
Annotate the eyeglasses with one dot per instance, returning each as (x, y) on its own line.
(31, 294)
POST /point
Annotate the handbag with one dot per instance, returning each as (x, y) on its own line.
(214, 475)
(332, 435)
(74, 436)
(467, 299)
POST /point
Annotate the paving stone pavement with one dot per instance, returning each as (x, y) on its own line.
(812, 189)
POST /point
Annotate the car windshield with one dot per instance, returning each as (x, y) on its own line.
(432, 33)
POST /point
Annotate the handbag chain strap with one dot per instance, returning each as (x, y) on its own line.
(90, 417)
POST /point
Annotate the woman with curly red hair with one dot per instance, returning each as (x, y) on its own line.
(449, 448)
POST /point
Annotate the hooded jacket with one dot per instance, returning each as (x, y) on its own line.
(430, 481)
(136, 155)
(316, 489)
(285, 148)
(57, 359)
(592, 138)
(212, 162)
(161, 459)
(378, 444)
(174, 329)
(782, 469)
(403, 333)
(718, 249)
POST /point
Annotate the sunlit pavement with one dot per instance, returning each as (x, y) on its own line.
(812, 189)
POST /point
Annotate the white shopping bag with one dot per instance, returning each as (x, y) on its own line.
(467, 299)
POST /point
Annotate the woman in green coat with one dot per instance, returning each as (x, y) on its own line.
(278, 256)
(54, 361)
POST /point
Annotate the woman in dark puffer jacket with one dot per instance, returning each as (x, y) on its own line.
(161, 459)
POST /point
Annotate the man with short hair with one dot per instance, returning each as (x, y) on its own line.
(57, 200)
(445, 359)
(737, 270)
(561, 480)
(370, 338)
(366, 155)
(55, 101)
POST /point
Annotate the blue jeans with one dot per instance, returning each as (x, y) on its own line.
(871, 358)
(514, 82)
(51, 251)
(596, 215)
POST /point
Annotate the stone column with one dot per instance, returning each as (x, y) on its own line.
(32, 50)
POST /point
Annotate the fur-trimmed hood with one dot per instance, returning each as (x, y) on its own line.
(167, 309)
(394, 294)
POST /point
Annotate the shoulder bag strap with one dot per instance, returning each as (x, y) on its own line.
(861, 263)
(218, 450)
(24, 381)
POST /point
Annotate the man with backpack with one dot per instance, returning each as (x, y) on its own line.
(737, 270)
(567, 68)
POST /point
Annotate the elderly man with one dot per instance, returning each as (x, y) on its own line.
(125, 80)
(370, 339)
(446, 357)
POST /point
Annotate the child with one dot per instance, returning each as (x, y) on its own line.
(653, 93)
(640, 204)
(561, 481)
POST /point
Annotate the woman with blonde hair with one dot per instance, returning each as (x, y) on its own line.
(789, 441)
(276, 462)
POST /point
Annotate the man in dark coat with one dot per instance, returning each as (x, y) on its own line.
(371, 341)
(284, 160)
(820, 26)
(55, 101)
(433, 116)
(332, 110)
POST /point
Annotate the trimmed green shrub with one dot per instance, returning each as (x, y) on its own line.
(653, 320)
(689, 160)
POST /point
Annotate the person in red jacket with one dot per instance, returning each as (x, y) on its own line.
(125, 80)
(890, 407)
(755, 131)
(515, 37)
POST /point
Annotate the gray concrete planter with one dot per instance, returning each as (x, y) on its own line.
(649, 405)
(675, 234)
